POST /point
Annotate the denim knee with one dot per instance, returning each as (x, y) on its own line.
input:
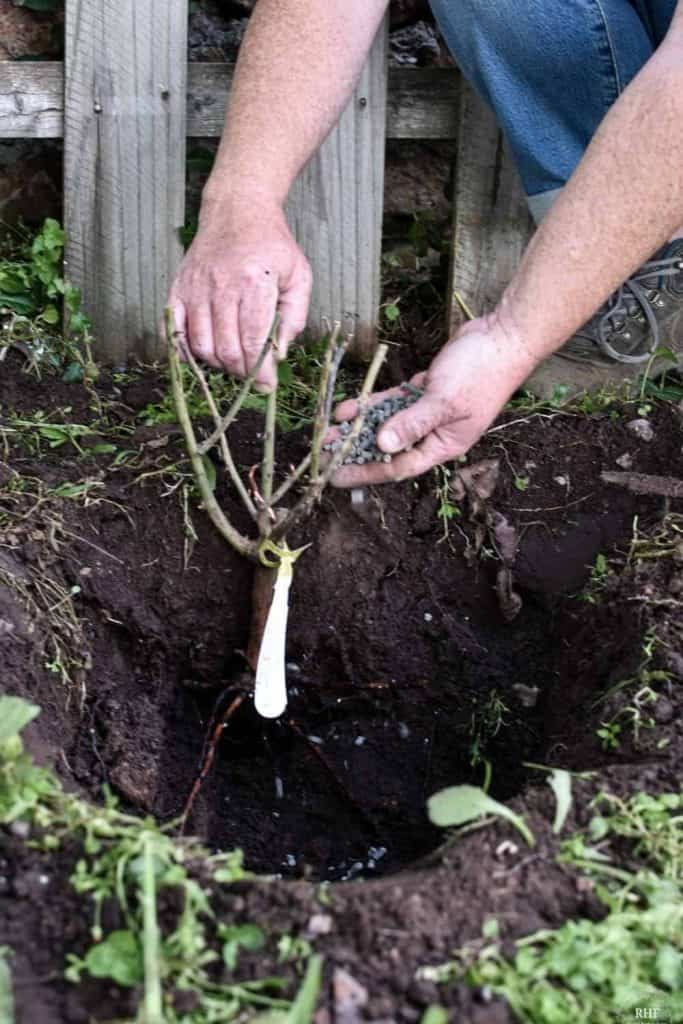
(550, 69)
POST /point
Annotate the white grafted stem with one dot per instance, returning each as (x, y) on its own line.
(270, 697)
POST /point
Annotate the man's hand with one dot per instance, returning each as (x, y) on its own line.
(242, 266)
(465, 388)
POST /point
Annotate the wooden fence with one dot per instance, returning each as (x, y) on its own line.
(125, 100)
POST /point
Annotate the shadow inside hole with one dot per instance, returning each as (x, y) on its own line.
(338, 787)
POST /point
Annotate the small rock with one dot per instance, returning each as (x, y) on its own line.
(349, 997)
(663, 711)
(625, 461)
(642, 429)
(20, 829)
(527, 695)
(506, 849)
(319, 924)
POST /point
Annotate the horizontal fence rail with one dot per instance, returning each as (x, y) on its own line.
(422, 103)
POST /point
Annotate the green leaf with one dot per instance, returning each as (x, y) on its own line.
(119, 957)
(73, 373)
(670, 968)
(52, 234)
(392, 312)
(561, 784)
(459, 805)
(18, 303)
(435, 1015)
(285, 374)
(15, 714)
(6, 993)
(50, 315)
(303, 1007)
(210, 471)
(68, 490)
(245, 936)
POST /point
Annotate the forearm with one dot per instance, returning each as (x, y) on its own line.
(297, 68)
(623, 202)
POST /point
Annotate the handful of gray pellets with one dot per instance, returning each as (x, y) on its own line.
(365, 447)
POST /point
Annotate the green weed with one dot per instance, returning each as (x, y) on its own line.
(631, 714)
(40, 311)
(485, 724)
(586, 972)
(298, 378)
(130, 862)
(447, 510)
(599, 577)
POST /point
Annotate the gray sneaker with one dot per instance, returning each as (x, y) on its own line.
(617, 345)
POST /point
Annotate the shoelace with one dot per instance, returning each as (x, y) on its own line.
(641, 296)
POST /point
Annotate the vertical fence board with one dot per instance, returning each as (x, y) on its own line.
(335, 208)
(124, 163)
(491, 225)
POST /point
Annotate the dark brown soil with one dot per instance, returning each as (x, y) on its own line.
(398, 656)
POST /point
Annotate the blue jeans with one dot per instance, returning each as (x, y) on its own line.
(551, 69)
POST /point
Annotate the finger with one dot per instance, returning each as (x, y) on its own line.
(200, 335)
(293, 307)
(226, 338)
(403, 466)
(410, 425)
(256, 314)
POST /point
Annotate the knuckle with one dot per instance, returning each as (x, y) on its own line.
(252, 275)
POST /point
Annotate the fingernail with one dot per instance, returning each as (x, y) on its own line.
(389, 442)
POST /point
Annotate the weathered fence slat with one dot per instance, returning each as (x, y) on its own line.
(31, 100)
(422, 103)
(335, 207)
(124, 163)
(491, 221)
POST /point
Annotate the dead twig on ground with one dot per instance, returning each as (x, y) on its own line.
(644, 483)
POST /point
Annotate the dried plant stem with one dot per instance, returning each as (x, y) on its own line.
(245, 547)
(314, 491)
(239, 400)
(295, 475)
(335, 355)
(320, 422)
(226, 454)
(268, 471)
